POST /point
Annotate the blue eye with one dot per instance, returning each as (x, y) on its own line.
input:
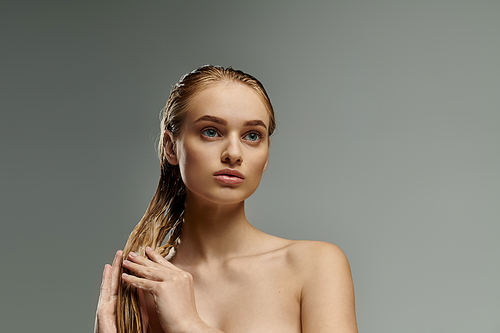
(252, 136)
(209, 132)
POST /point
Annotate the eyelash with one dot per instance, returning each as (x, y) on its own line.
(209, 128)
(259, 135)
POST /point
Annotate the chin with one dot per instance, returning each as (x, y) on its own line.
(224, 196)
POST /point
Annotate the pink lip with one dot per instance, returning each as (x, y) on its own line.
(229, 176)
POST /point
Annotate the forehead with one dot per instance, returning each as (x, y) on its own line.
(234, 102)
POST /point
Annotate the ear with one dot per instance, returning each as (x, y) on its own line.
(170, 149)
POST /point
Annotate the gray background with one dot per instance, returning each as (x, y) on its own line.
(387, 145)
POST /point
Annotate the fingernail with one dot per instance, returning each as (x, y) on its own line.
(132, 254)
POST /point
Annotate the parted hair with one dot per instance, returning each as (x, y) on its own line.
(161, 226)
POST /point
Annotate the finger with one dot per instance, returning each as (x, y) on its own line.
(137, 282)
(157, 258)
(115, 272)
(151, 273)
(134, 257)
(105, 274)
(106, 283)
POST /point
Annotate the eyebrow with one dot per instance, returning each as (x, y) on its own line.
(212, 119)
(255, 123)
(224, 122)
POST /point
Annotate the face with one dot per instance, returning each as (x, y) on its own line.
(223, 146)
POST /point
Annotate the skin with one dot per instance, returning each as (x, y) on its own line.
(108, 296)
(228, 276)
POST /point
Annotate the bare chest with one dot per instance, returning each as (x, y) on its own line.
(258, 300)
(253, 295)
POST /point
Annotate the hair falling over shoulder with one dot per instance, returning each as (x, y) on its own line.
(164, 215)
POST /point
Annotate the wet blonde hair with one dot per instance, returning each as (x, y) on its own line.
(164, 215)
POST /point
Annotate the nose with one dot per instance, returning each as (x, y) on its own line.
(232, 153)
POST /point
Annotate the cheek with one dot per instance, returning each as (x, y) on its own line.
(193, 162)
(259, 163)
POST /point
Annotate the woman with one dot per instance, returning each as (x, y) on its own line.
(225, 276)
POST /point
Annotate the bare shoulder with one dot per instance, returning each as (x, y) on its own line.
(319, 277)
(307, 256)
(327, 293)
(316, 247)
(309, 261)
(316, 255)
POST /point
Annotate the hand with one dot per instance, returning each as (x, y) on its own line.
(106, 308)
(171, 287)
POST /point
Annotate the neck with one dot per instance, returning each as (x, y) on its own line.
(214, 232)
